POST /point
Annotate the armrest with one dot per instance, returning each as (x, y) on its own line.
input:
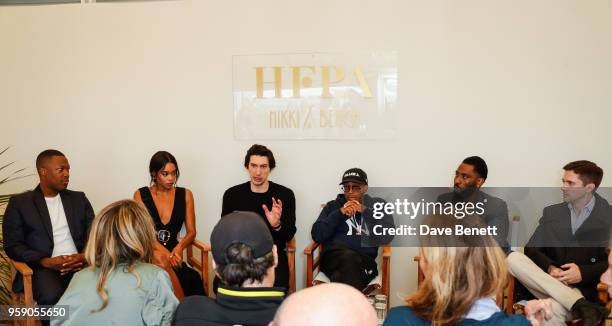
(312, 246)
(291, 245)
(602, 292)
(203, 247)
(22, 268)
(386, 251)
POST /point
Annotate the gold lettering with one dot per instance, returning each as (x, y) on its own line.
(324, 118)
(289, 119)
(297, 82)
(325, 77)
(308, 119)
(362, 82)
(259, 79)
(272, 120)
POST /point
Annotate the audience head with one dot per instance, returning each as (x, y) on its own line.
(579, 179)
(326, 304)
(53, 170)
(259, 162)
(122, 233)
(164, 170)
(458, 271)
(354, 184)
(470, 175)
(244, 254)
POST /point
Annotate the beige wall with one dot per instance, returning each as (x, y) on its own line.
(526, 84)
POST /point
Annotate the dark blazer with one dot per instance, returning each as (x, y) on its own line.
(495, 214)
(553, 243)
(27, 229)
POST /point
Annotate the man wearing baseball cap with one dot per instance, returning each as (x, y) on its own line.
(344, 227)
(244, 259)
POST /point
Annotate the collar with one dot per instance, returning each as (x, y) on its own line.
(482, 309)
(586, 209)
(249, 299)
(237, 292)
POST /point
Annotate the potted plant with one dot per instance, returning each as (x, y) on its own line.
(6, 175)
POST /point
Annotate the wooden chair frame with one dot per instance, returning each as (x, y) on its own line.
(25, 298)
(313, 257)
(201, 262)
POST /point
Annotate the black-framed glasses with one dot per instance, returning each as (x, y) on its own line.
(349, 188)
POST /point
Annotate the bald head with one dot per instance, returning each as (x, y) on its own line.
(326, 304)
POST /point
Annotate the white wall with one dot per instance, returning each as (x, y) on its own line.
(526, 84)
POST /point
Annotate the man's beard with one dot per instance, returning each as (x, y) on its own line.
(467, 192)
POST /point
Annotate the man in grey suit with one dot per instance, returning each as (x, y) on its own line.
(47, 229)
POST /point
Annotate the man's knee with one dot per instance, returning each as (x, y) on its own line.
(49, 294)
(48, 286)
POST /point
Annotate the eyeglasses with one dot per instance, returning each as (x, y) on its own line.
(348, 188)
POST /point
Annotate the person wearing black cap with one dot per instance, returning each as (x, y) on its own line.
(344, 227)
(244, 258)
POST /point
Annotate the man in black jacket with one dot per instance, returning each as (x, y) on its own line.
(274, 203)
(470, 175)
(345, 228)
(569, 245)
(47, 229)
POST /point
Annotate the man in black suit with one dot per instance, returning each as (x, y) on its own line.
(469, 178)
(47, 229)
(569, 247)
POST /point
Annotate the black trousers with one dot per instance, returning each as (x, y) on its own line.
(344, 265)
(190, 280)
(48, 286)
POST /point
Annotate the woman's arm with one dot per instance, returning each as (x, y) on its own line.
(177, 253)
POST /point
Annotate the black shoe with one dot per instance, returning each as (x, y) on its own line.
(591, 314)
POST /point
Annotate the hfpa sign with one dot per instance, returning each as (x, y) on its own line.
(315, 96)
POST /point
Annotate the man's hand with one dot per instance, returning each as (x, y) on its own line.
(555, 272)
(55, 263)
(274, 215)
(537, 311)
(351, 207)
(571, 274)
(72, 263)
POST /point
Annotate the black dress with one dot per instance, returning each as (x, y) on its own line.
(167, 236)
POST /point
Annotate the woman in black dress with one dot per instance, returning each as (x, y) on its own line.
(171, 207)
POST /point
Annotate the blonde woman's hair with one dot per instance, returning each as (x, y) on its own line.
(458, 271)
(122, 232)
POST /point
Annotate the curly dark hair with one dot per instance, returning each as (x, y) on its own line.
(240, 265)
(260, 150)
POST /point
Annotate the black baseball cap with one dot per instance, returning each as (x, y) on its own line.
(354, 174)
(240, 227)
